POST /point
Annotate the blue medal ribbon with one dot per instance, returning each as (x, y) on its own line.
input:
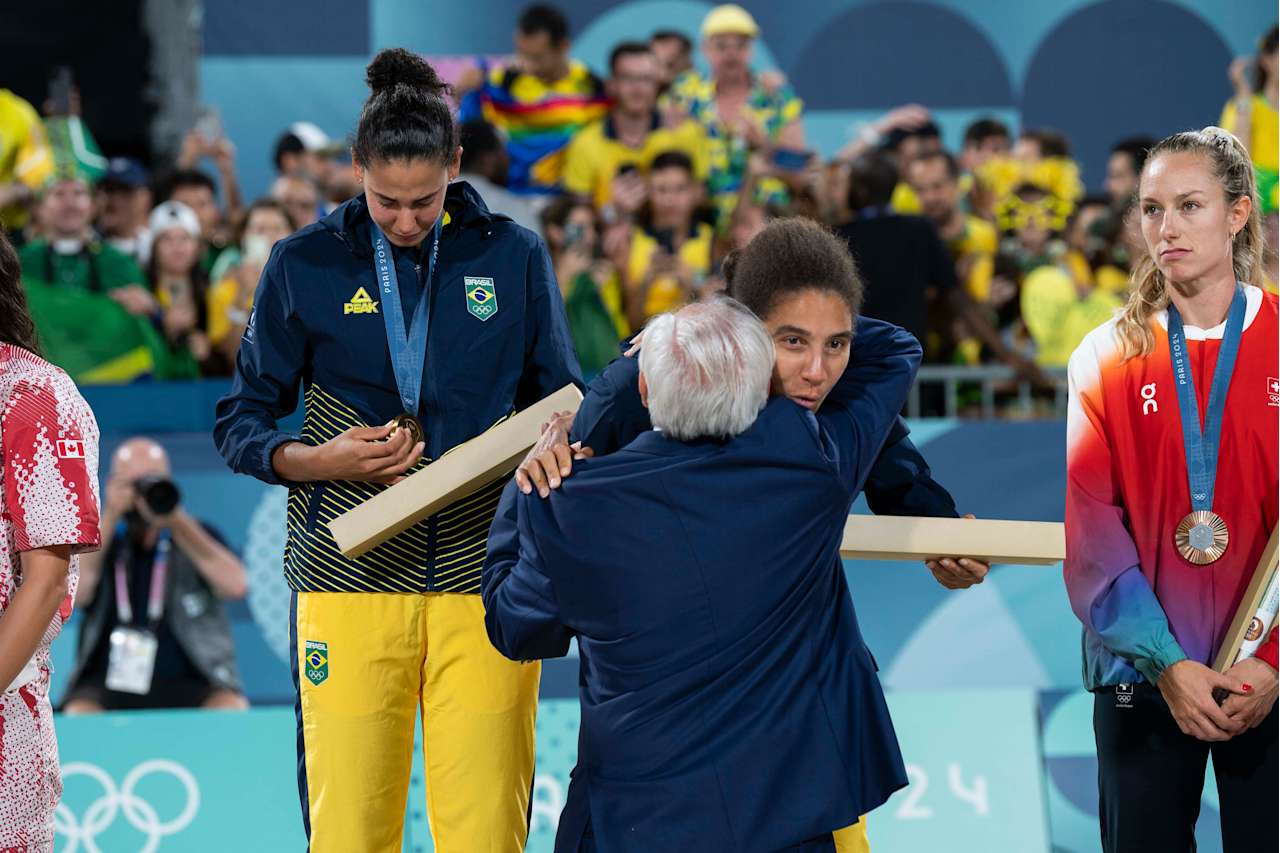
(408, 348)
(1201, 446)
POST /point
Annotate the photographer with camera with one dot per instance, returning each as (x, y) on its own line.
(155, 633)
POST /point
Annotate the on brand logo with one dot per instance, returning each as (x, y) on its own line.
(1149, 404)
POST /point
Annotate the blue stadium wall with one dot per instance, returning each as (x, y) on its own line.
(1098, 71)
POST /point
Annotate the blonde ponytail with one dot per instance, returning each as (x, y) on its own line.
(1148, 291)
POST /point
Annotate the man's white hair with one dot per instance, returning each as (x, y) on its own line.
(707, 368)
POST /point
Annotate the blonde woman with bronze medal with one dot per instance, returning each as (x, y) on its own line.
(1171, 497)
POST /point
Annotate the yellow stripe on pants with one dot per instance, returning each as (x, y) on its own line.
(366, 662)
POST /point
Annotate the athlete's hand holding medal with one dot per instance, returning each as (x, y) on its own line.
(381, 454)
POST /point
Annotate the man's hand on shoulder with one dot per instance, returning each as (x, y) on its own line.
(551, 460)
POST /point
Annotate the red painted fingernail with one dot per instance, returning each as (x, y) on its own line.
(1247, 688)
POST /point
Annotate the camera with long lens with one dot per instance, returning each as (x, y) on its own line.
(159, 493)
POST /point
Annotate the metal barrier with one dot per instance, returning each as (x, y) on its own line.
(987, 392)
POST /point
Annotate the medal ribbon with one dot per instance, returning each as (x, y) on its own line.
(408, 350)
(1202, 446)
(155, 595)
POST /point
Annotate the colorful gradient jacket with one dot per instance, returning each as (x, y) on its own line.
(1143, 606)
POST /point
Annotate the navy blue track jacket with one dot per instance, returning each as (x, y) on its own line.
(317, 325)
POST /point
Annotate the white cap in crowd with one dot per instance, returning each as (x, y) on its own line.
(174, 214)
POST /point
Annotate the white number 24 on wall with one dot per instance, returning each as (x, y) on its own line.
(912, 806)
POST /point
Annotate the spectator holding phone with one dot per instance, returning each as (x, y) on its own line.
(181, 288)
(1251, 114)
(587, 270)
(266, 222)
(608, 159)
(670, 253)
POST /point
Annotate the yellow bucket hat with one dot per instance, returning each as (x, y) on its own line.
(729, 19)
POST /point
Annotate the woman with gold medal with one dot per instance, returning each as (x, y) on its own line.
(1171, 497)
(413, 318)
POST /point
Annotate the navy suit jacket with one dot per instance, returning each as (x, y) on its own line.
(728, 700)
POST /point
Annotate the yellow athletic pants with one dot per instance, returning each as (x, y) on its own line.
(853, 839)
(365, 663)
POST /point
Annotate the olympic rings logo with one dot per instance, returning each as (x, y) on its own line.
(141, 814)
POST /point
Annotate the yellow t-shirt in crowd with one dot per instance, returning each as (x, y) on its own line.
(220, 298)
(904, 200)
(1264, 146)
(665, 293)
(611, 296)
(975, 249)
(25, 155)
(1057, 317)
(595, 154)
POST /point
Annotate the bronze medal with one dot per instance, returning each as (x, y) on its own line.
(1201, 537)
(410, 423)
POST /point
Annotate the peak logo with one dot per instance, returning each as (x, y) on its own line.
(360, 303)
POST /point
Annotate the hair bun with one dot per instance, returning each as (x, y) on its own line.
(395, 66)
(1221, 137)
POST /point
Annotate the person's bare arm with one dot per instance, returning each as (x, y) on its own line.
(981, 328)
(1243, 129)
(213, 560)
(23, 623)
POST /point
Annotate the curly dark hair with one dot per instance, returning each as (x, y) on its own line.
(791, 256)
(16, 326)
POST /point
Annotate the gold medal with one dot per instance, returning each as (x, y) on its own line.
(1201, 537)
(407, 422)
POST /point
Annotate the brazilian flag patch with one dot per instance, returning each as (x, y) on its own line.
(316, 662)
(482, 299)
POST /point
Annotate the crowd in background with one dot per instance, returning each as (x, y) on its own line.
(640, 183)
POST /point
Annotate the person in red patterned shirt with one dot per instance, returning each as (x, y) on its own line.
(49, 489)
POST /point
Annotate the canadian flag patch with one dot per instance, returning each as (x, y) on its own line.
(69, 448)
